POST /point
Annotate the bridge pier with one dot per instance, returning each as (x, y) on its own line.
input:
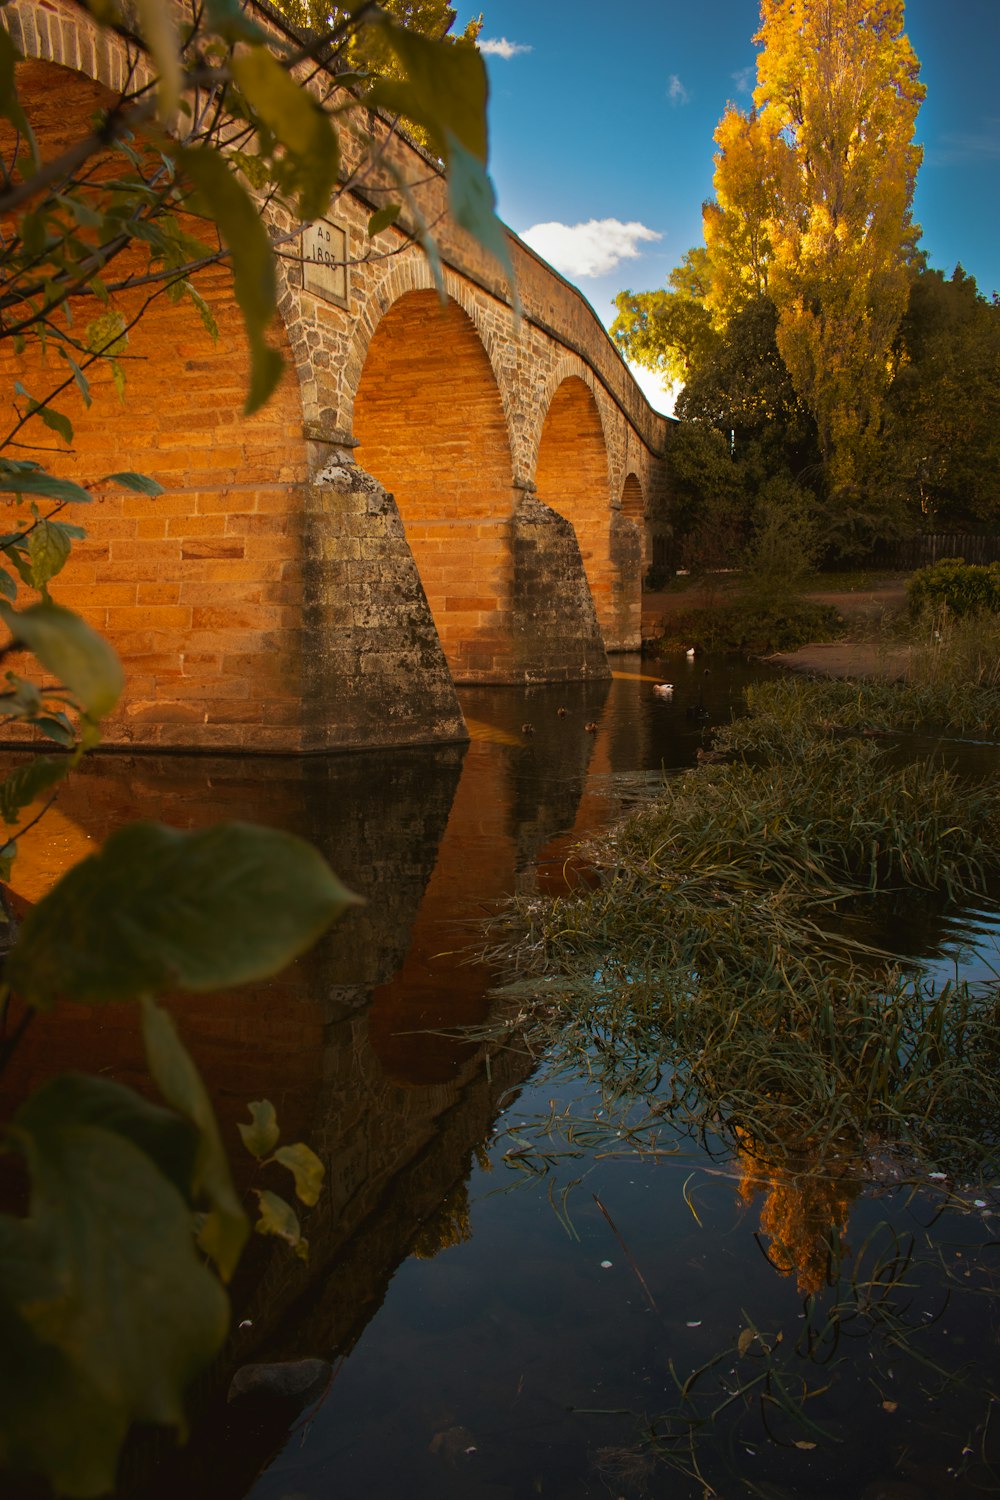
(556, 633)
(373, 671)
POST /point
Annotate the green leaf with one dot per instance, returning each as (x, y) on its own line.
(107, 334)
(31, 781)
(8, 588)
(56, 421)
(307, 1169)
(169, 1140)
(160, 35)
(221, 198)
(141, 483)
(473, 203)
(160, 909)
(445, 90)
(53, 729)
(85, 215)
(10, 104)
(53, 1420)
(297, 121)
(128, 1301)
(83, 384)
(261, 1137)
(208, 322)
(228, 19)
(382, 218)
(279, 1218)
(224, 1230)
(37, 482)
(64, 644)
(48, 549)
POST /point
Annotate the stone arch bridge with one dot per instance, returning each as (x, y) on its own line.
(434, 495)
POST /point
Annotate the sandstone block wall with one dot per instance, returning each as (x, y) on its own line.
(256, 606)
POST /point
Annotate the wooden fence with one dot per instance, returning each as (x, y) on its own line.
(920, 551)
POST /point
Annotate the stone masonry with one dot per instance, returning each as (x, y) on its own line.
(437, 493)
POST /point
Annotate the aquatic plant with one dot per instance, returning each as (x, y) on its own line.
(717, 956)
(714, 984)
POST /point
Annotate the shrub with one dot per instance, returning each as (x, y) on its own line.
(784, 549)
(961, 587)
(757, 629)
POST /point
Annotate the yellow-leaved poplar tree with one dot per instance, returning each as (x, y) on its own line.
(738, 223)
(836, 105)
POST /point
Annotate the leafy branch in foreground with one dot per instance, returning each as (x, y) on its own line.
(112, 1282)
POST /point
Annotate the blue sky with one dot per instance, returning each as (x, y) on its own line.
(602, 114)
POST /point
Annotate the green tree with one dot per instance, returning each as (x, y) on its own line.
(112, 1292)
(810, 230)
(668, 331)
(939, 459)
(743, 388)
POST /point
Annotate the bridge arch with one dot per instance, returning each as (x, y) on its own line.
(572, 478)
(429, 422)
(412, 273)
(633, 509)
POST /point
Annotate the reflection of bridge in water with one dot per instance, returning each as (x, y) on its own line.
(349, 1044)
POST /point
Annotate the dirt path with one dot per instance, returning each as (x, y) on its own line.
(845, 659)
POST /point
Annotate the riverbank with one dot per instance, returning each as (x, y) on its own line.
(863, 608)
(846, 658)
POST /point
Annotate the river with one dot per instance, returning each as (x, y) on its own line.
(493, 1331)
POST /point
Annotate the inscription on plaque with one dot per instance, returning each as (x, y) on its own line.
(324, 256)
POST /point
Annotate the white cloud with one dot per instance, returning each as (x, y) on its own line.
(660, 394)
(498, 46)
(590, 249)
(676, 92)
(745, 79)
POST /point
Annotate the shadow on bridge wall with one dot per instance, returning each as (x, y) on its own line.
(510, 585)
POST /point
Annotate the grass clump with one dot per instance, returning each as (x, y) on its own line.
(944, 690)
(709, 964)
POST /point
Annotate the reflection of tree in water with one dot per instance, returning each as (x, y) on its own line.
(806, 1206)
(449, 1225)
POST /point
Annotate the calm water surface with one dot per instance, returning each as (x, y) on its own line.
(492, 1333)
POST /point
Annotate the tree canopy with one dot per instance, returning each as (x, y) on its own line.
(811, 331)
(364, 49)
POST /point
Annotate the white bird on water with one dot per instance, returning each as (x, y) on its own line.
(665, 689)
(689, 653)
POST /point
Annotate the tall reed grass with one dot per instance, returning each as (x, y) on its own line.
(710, 959)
